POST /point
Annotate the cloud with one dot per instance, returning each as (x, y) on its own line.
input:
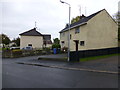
(50, 15)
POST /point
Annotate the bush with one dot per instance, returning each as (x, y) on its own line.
(56, 46)
(46, 50)
(5, 48)
(17, 53)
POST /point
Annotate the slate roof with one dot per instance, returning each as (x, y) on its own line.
(81, 21)
(31, 32)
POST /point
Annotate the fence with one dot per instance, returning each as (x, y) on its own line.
(75, 56)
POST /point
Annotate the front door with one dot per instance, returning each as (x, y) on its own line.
(76, 45)
(76, 55)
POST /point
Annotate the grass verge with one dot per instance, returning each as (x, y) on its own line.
(98, 57)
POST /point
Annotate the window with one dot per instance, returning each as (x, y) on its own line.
(63, 34)
(62, 42)
(77, 30)
(82, 43)
(30, 45)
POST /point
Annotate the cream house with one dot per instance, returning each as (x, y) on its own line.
(97, 31)
(35, 39)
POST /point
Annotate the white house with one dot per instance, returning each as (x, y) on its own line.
(96, 31)
(35, 39)
(93, 35)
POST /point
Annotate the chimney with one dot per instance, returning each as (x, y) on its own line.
(34, 28)
(82, 17)
(67, 25)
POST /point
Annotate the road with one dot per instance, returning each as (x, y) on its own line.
(27, 76)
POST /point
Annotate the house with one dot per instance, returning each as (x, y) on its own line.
(47, 40)
(12, 44)
(94, 32)
(35, 39)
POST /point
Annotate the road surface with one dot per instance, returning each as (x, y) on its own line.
(27, 76)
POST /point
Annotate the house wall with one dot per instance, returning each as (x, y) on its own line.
(36, 41)
(82, 36)
(102, 32)
(64, 37)
(49, 45)
(99, 32)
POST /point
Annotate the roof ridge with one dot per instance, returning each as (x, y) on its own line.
(90, 15)
(32, 32)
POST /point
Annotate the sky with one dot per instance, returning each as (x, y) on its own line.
(18, 16)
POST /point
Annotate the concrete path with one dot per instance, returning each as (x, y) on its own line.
(106, 65)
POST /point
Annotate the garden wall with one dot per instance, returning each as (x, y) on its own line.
(23, 53)
(75, 56)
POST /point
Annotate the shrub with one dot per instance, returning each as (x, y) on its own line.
(5, 48)
(56, 46)
(17, 53)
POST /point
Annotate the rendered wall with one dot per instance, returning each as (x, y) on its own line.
(100, 32)
(36, 41)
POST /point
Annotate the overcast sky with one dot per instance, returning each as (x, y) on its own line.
(51, 16)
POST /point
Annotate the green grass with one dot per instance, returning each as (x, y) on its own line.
(97, 57)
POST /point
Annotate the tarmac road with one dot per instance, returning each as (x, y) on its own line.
(28, 76)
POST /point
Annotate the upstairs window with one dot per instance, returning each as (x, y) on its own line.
(63, 34)
(77, 30)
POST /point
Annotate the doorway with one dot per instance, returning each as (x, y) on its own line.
(76, 54)
(76, 45)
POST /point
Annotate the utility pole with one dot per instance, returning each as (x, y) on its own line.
(68, 29)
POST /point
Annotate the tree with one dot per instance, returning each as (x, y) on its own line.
(77, 18)
(17, 41)
(117, 19)
(5, 39)
(56, 41)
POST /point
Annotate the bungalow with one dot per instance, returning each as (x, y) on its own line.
(94, 32)
(35, 39)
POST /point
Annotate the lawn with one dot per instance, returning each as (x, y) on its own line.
(97, 57)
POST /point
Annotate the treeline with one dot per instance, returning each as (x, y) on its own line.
(5, 40)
